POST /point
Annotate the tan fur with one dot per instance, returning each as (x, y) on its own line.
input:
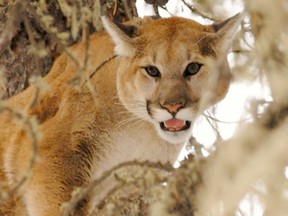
(84, 132)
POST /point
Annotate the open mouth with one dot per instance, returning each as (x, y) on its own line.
(175, 125)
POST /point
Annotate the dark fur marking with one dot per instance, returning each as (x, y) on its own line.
(80, 163)
(217, 26)
(148, 107)
(206, 48)
(129, 30)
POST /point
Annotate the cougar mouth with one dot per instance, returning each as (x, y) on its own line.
(175, 125)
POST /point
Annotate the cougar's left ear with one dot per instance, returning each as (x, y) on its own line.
(122, 36)
(225, 30)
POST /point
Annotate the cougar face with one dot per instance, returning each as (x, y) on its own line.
(168, 67)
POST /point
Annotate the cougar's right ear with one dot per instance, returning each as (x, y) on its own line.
(225, 30)
(122, 36)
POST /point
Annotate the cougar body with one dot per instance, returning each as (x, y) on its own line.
(135, 98)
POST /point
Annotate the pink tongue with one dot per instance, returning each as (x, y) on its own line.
(174, 124)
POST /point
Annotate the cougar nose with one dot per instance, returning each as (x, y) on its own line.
(173, 108)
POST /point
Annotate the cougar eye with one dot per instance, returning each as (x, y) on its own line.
(152, 71)
(192, 69)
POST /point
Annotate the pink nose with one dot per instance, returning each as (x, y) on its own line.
(173, 108)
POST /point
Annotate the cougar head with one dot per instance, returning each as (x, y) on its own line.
(171, 70)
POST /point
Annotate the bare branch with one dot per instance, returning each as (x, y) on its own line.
(30, 128)
(14, 18)
(196, 11)
(70, 206)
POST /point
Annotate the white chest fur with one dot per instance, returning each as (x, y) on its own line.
(136, 143)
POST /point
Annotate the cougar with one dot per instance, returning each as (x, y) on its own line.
(141, 89)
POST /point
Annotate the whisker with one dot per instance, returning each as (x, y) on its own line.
(131, 102)
(123, 122)
(202, 38)
(129, 121)
(132, 112)
(134, 105)
(140, 121)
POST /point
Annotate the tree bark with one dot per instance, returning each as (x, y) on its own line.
(30, 34)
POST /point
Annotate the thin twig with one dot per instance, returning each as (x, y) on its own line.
(96, 15)
(55, 37)
(165, 8)
(101, 65)
(14, 18)
(209, 116)
(214, 127)
(115, 7)
(33, 133)
(197, 147)
(85, 37)
(127, 9)
(240, 51)
(34, 44)
(134, 9)
(196, 11)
